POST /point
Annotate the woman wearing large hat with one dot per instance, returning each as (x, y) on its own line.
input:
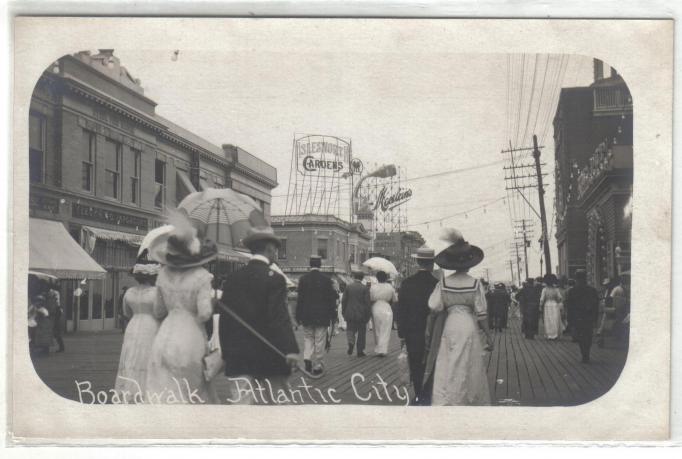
(138, 307)
(184, 298)
(455, 357)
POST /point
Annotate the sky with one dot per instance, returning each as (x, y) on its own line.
(428, 112)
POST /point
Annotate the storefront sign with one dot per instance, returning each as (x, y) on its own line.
(388, 199)
(322, 155)
(107, 216)
(44, 203)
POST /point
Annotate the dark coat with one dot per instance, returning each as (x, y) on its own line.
(258, 295)
(356, 305)
(583, 302)
(413, 303)
(316, 304)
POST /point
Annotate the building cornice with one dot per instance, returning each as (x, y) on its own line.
(238, 167)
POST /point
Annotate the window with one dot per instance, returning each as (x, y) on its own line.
(282, 254)
(136, 157)
(88, 162)
(160, 179)
(112, 169)
(352, 253)
(322, 248)
(36, 149)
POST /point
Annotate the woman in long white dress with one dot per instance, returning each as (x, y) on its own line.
(175, 372)
(382, 294)
(456, 349)
(552, 303)
(138, 305)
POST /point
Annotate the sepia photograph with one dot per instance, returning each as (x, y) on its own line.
(348, 226)
(170, 268)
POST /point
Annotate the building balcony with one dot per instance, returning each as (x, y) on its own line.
(612, 99)
(605, 160)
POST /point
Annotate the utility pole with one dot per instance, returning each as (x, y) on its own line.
(524, 228)
(543, 215)
(511, 271)
(515, 254)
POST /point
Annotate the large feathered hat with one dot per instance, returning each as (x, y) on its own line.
(182, 247)
(459, 254)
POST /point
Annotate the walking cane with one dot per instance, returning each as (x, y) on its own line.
(265, 341)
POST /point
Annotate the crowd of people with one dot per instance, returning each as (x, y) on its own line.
(183, 328)
(46, 320)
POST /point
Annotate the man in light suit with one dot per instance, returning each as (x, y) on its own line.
(315, 310)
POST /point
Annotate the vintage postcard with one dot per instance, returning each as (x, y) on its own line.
(350, 230)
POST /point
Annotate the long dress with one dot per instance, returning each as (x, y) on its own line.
(381, 295)
(175, 371)
(460, 376)
(131, 379)
(553, 303)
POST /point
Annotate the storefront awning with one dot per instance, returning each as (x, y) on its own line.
(110, 235)
(184, 186)
(52, 250)
(233, 255)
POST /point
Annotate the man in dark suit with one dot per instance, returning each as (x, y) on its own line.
(529, 299)
(413, 310)
(356, 308)
(315, 310)
(583, 300)
(498, 304)
(258, 295)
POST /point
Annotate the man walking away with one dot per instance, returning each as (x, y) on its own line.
(413, 310)
(315, 310)
(257, 295)
(583, 300)
(529, 298)
(356, 308)
(499, 305)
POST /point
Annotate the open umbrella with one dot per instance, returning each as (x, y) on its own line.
(381, 264)
(226, 213)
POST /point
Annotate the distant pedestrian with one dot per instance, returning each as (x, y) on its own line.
(356, 308)
(382, 295)
(413, 311)
(583, 300)
(570, 326)
(620, 297)
(59, 317)
(44, 330)
(498, 305)
(551, 305)
(315, 311)
(529, 299)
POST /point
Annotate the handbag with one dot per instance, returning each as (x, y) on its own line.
(213, 362)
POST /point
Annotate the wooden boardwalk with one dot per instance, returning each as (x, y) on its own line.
(520, 372)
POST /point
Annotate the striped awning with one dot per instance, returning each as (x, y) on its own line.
(52, 250)
(111, 235)
(233, 255)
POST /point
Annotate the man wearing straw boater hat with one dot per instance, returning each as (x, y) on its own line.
(257, 295)
(412, 311)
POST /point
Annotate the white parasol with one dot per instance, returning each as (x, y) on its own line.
(381, 264)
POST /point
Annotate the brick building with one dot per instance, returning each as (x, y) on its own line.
(593, 135)
(341, 245)
(398, 247)
(104, 164)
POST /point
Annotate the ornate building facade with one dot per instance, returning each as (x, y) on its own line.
(593, 134)
(106, 165)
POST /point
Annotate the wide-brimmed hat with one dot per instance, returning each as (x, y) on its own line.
(265, 233)
(550, 279)
(181, 248)
(424, 253)
(459, 254)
